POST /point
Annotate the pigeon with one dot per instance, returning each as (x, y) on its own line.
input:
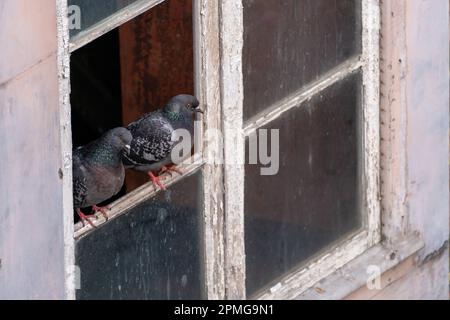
(98, 171)
(154, 138)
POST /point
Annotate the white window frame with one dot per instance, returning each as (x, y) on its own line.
(218, 46)
(113, 21)
(233, 95)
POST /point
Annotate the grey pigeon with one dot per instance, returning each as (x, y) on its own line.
(153, 142)
(98, 172)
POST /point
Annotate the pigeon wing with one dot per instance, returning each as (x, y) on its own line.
(79, 181)
(152, 140)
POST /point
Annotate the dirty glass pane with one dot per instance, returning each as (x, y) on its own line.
(151, 252)
(313, 201)
(93, 11)
(289, 43)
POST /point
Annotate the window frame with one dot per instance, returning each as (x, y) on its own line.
(63, 60)
(301, 279)
(113, 21)
(205, 60)
(218, 31)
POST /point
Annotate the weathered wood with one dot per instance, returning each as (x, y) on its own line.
(355, 275)
(393, 127)
(207, 79)
(232, 91)
(65, 171)
(137, 196)
(422, 283)
(385, 279)
(299, 280)
(115, 20)
(371, 117)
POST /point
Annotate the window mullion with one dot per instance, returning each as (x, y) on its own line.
(371, 116)
(232, 92)
(66, 146)
(207, 80)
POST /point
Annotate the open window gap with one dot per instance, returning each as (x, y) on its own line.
(130, 71)
(153, 61)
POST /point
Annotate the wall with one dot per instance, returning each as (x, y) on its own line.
(415, 122)
(31, 219)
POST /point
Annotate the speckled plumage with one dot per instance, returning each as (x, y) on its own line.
(98, 172)
(153, 134)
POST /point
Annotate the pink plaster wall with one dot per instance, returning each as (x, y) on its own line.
(31, 220)
(416, 88)
(427, 90)
(27, 35)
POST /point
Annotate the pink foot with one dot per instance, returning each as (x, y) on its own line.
(102, 210)
(170, 169)
(156, 181)
(84, 218)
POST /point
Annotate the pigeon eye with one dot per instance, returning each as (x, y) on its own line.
(189, 105)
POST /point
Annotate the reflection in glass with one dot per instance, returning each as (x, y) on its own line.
(289, 43)
(93, 11)
(151, 252)
(313, 201)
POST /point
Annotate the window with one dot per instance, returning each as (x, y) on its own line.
(304, 64)
(116, 78)
(308, 69)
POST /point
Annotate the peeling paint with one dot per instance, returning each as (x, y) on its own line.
(300, 280)
(120, 17)
(207, 62)
(65, 171)
(232, 96)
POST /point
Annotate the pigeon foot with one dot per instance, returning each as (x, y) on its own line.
(170, 169)
(155, 181)
(102, 210)
(84, 218)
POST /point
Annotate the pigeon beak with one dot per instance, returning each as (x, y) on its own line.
(199, 111)
(127, 146)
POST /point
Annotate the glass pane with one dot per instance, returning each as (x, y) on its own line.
(312, 201)
(289, 43)
(152, 252)
(93, 11)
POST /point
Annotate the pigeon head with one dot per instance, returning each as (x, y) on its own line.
(183, 105)
(119, 138)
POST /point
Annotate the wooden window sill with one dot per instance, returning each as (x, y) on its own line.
(354, 275)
